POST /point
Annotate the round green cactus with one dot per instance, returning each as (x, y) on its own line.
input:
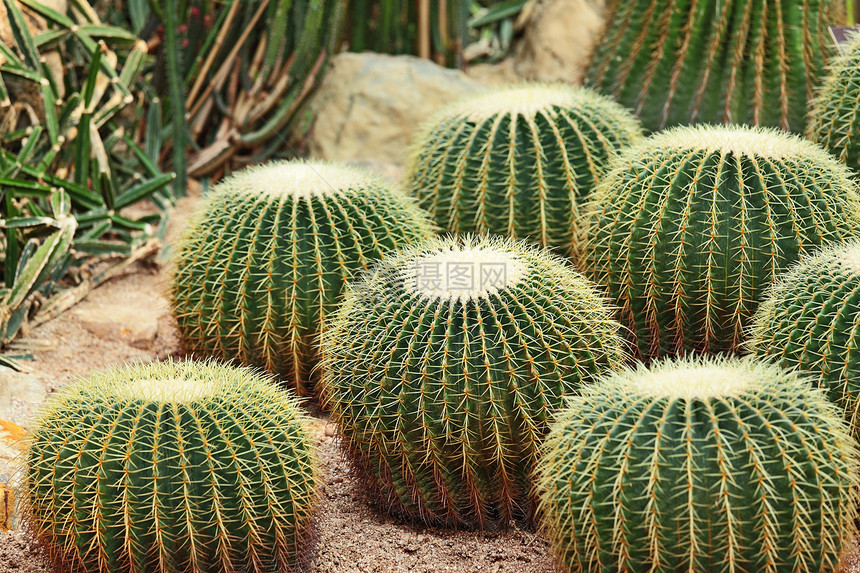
(191, 467)
(834, 121)
(811, 320)
(689, 229)
(518, 161)
(718, 61)
(266, 260)
(702, 464)
(444, 365)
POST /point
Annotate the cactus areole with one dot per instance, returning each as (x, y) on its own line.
(191, 467)
(690, 228)
(703, 464)
(444, 365)
(517, 161)
(264, 263)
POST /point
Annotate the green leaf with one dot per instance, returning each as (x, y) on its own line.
(500, 11)
(38, 265)
(103, 248)
(27, 222)
(143, 190)
(21, 34)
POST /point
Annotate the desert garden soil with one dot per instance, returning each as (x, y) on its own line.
(353, 535)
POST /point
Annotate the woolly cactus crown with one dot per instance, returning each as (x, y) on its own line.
(265, 261)
(701, 464)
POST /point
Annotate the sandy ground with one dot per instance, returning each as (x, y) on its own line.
(354, 536)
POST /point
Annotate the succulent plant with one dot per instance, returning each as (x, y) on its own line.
(173, 466)
(444, 364)
(690, 227)
(517, 161)
(708, 464)
(742, 61)
(811, 321)
(266, 260)
(834, 121)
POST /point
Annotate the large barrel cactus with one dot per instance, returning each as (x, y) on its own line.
(191, 467)
(518, 161)
(444, 365)
(265, 262)
(834, 121)
(811, 321)
(692, 226)
(699, 465)
(717, 61)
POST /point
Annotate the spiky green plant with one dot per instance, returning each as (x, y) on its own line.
(705, 464)
(517, 161)
(736, 61)
(690, 227)
(834, 121)
(173, 466)
(265, 261)
(811, 321)
(443, 365)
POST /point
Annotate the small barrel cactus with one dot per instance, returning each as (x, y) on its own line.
(834, 121)
(690, 227)
(445, 363)
(718, 61)
(185, 466)
(518, 161)
(266, 260)
(811, 320)
(707, 464)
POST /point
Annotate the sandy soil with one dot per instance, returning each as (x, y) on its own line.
(354, 536)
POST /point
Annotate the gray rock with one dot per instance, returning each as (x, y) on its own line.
(368, 106)
(557, 39)
(20, 386)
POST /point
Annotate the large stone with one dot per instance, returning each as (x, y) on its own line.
(20, 386)
(369, 105)
(135, 326)
(557, 39)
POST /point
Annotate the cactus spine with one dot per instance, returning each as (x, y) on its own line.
(442, 387)
(517, 161)
(703, 464)
(719, 61)
(690, 227)
(834, 121)
(811, 320)
(266, 260)
(168, 467)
